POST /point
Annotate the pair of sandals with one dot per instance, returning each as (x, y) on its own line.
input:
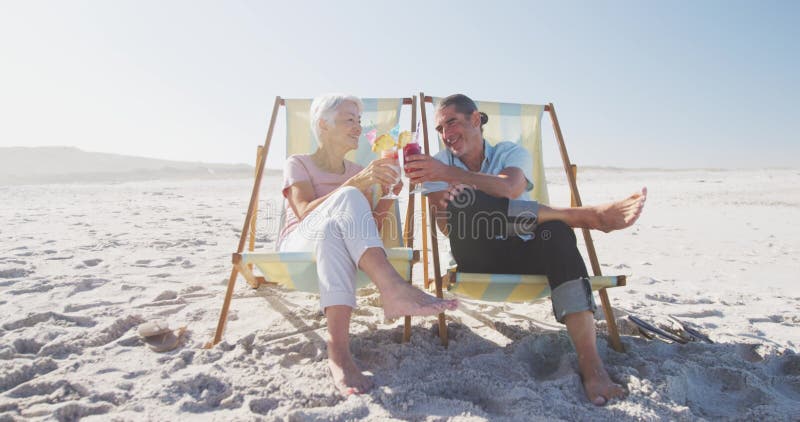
(159, 337)
(682, 335)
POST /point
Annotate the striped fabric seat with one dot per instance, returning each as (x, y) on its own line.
(298, 270)
(515, 287)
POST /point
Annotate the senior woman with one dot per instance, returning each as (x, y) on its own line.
(330, 214)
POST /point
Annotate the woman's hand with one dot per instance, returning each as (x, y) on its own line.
(397, 187)
(379, 172)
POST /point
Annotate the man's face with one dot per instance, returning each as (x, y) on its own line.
(460, 133)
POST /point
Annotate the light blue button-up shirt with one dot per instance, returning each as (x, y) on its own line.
(496, 158)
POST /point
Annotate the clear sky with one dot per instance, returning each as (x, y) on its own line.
(636, 83)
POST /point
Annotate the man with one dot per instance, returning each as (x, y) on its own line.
(484, 182)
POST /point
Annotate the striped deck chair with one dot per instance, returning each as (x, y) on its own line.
(298, 270)
(520, 123)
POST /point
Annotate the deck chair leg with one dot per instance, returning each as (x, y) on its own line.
(434, 244)
(223, 315)
(613, 331)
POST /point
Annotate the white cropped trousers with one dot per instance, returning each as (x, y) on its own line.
(338, 231)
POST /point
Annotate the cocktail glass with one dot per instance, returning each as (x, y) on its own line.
(413, 148)
(392, 153)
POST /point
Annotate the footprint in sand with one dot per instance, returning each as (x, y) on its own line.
(701, 314)
(27, 346)
(87, 285)
(59, 319)
(544, 355)
(166, 295)
(716, 392)
(163, 262)
(59, 258)
(93, 304)
(69, 391)
(197, 393)
(92, 262)
(14, 273)
(476, 393)
(263, 406)
(26, 372)
(662, 298)
(94, 338)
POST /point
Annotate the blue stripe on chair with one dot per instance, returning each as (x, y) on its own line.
(364, 152)
(304, 276)
(501, 287)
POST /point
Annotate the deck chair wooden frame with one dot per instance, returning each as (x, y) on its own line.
(239, 267)
(571, 172)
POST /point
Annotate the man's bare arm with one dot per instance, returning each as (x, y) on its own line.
(509, 183)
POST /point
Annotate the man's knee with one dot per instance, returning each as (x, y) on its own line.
(557, 232)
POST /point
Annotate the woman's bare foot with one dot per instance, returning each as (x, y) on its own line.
(599, 387)
(403, 299)
(618, 215)
(347, 378)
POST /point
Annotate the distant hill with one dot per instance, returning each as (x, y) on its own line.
(37, 165)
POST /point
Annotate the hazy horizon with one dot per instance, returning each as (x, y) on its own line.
(676, 85)
(251, 166)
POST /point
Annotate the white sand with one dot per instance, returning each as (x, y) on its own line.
(81, 266)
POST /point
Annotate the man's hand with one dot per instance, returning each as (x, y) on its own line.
(441, 199)
(424, 168)
(452, 192)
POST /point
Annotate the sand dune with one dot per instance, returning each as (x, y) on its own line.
(82, 265)
(37, 165)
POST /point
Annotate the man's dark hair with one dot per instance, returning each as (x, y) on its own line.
(463, 105)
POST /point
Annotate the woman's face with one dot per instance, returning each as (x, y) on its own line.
(346, 128)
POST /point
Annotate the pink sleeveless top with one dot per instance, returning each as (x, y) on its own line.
(300, 168)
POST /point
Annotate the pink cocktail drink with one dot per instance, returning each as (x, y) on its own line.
(412, 149)
(389, 153)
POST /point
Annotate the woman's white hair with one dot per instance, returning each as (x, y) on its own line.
(324, 108)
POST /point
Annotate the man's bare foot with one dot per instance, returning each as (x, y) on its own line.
(619, 215)
(599, 387)
(347, 378)
(403, 299)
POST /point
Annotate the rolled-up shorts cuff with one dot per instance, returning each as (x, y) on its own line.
(336, 298)
(571, 297)
(358, 251)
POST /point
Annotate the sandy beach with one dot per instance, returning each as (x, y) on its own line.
(82, 265)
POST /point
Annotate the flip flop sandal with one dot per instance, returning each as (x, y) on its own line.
(153, 328)
(159, 337)
(692, 332)
(646, 326)
(645, 334)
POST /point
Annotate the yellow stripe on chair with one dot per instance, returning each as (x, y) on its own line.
(514, 287)
(300, 139)
(298, 270)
